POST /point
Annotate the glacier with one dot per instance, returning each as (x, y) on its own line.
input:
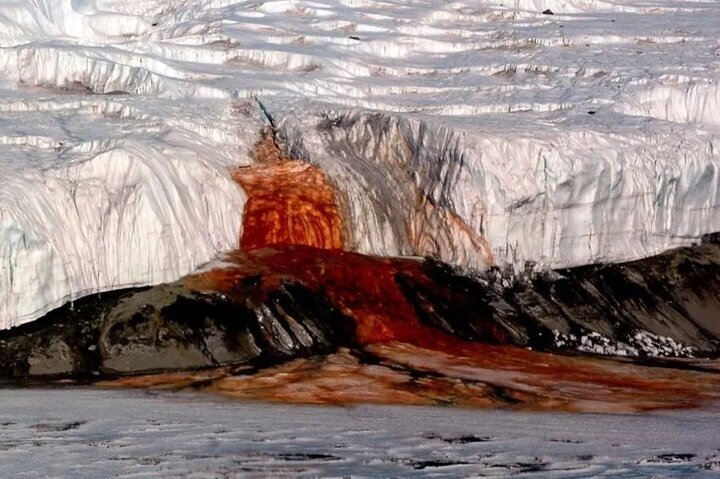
(483, 133)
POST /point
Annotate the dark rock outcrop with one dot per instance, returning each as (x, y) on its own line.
(667, 305)
(170, 327)
(673, 296)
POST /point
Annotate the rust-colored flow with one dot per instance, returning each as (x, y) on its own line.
(289, 202)
(292, 232)
(362, 287)
(460, 372)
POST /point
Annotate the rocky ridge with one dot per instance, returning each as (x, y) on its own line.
(256, 310)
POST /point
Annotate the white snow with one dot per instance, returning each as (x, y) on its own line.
(119, 121)
(639, 343)
(90, 434)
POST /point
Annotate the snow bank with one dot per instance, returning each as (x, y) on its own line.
(640, 343)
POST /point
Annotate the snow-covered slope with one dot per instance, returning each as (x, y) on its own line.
(483, 132)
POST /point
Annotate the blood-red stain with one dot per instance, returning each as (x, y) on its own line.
(290, 202)
(365, 289)
(362, 287)
(293, 232)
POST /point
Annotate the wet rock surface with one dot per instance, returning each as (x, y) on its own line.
(666, 305)
(272, 310)
(170, 327)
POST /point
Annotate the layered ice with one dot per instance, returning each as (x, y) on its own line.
(483, 133)
(552, 195)
(96, 195)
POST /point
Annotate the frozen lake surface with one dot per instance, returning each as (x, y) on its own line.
(91, 433)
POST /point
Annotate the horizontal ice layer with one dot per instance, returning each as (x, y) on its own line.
(171, 434)
(132, 215)
(526, 193)
(101, 197)
(506, 135)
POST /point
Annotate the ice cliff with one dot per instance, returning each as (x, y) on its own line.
(512, 194)
(483, 133)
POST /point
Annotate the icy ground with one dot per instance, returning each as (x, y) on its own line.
(90, 433)
(584, 136)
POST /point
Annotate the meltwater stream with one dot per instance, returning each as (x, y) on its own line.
(84, 433)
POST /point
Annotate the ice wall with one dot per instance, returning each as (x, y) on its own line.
(134, 214)
(551, 198)
(484, 133)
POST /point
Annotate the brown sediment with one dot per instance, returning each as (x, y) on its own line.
(401, 373)
(289, 202)
(431, 224)
(415, 363)
(362, 287)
